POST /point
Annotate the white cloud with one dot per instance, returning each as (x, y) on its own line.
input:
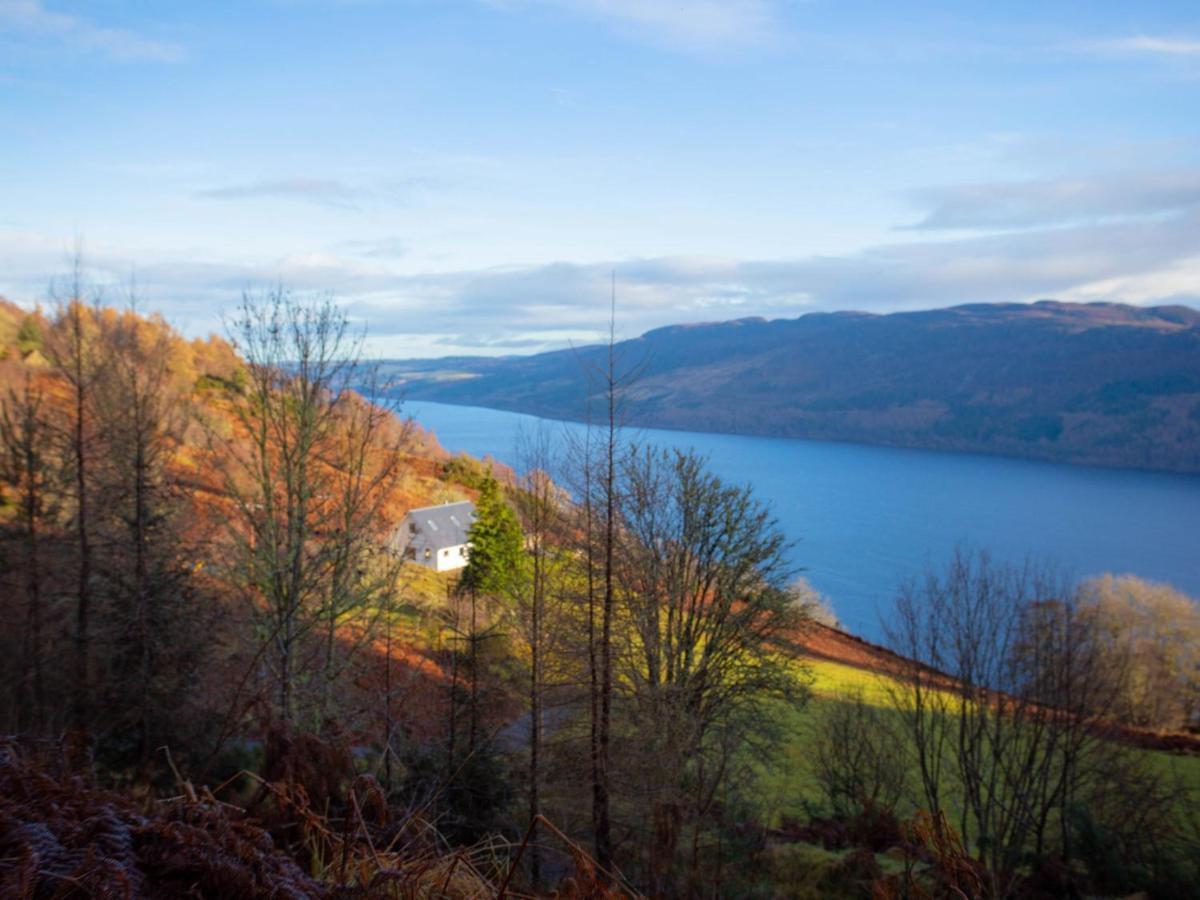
(1141, 259)
(32, 18)
(1043, 202)
(1146, 45)
(322, 191)
(1179, 282)
(698, 25)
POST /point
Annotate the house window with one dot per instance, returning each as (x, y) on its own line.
(445, 553)
(427, 553)
(411, 552)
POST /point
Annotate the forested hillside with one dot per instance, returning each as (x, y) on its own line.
(216, 679)
(1098, 384)
(155, 493)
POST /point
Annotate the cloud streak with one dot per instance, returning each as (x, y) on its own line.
(327, 192)
(691, 25)
(1058, 201)
(323, 192)
(1145, 45)
(32, 18)
(1112, 262)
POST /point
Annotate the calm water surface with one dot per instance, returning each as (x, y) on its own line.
(864, 518)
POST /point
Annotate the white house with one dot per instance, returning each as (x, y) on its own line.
(436, 536)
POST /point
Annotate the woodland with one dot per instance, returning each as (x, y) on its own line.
(217, 680)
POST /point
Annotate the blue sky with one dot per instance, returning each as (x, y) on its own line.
(464, 174)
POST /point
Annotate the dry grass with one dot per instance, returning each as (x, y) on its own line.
(61, 836)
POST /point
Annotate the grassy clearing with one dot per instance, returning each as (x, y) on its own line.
(834, 680)
(788, 788)
(786, 783)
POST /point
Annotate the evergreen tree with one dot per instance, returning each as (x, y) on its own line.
(497, 551)
(494, 569)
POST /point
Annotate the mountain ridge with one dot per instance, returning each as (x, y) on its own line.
(1094, 384)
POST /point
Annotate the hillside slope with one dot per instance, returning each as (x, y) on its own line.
(200, 372)
(1100, 384)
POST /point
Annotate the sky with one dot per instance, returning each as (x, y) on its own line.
(466, 176)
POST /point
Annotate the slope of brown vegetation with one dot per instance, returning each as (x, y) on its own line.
(203, 381)
(202, 369)
(60, 837)
(828, 643)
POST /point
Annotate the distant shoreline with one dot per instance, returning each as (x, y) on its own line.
(919, 448)
(1097, 385)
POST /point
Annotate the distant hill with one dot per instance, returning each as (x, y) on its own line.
(1101, 384)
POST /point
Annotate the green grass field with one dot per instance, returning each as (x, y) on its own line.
(789, 788)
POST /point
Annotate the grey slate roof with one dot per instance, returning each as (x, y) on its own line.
(436, 527)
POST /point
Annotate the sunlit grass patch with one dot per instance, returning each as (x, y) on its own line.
(833, 680)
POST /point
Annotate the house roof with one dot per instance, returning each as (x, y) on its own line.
(437, 527)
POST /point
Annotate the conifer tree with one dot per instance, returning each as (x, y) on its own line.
(494, 569)
(497, 554)
(27, 471)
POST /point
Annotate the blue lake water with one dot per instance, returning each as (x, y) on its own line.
(865, 518)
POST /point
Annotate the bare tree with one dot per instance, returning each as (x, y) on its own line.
(540, 504)
(364, 462)
(1156, 631)
(594, 473)
(609, 494)
(1003, 705)
(601, 510)
(583, 471)
(815, 605)
(307, 479)
(854, 757)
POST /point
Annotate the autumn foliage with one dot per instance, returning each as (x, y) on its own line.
(222, 679)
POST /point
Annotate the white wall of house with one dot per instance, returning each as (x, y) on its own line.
(451, 558)
(445, 560)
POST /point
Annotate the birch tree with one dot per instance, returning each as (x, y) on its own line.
(307, 470)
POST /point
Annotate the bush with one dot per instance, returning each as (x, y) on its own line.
(855, 759)
(1123, 861)
(469, 798)
(467, 471)
(29, 335)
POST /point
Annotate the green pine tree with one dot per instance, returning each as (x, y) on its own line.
(497, 547)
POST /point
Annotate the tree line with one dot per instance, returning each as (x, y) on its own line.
(169, 528)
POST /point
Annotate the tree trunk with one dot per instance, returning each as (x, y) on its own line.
(80, 708)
